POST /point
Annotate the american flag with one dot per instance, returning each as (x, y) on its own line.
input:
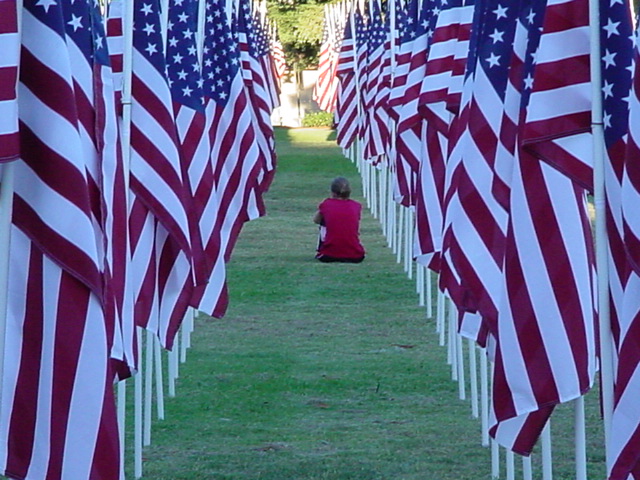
(257, 87)
(279, 60)
(376, 133)
(57, 390)
(185, 81)
(114, 201)
(545, 338)
(10, 46)
(346, 114)
(326, 87)
(263, 52)
(235, 155)
(620, 101)
(557, 128)
(159, 224)
(361, 59)
(475, 223)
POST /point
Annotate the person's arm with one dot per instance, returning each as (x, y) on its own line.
(318, 218)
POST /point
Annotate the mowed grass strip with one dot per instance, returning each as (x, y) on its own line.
(318, 371)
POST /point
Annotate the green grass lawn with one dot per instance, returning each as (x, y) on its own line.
(323, 371)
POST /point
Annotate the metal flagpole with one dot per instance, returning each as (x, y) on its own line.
(495, 459)
(122, 410)
(399, 231)
(409, 245)
(452, 356)
(148, 386)
(484, 398)
(6, 210)
(602, 244)
(420, 271)
(511, 467)
(127, 71)
(462, 393)
(440, 323)
(473, 377)
(137, 414)
(157, 349)
(547, 459)
(527, 473)
(580, 439)
(495, 450)
(429, 292)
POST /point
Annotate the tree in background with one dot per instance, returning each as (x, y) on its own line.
(300, 30)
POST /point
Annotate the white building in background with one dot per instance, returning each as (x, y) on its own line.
(296, 100)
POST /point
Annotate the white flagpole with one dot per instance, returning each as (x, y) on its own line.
(399, 230)
(148, 387)
(495, 459)
(580, 439)
(511, 467)
(473, 377)
(602, 244)
(137, 414)
(157, 349)
(6, 210)
(495, 450)
(202, 11)
(462, 392)
(484, 398)
(547, 459)
(408, 243)
(122, 410)
(452, 354)
(390, 208)
(429, 292)
(420, 272)
(171, 374)
(440, 323)
(184, 333)
(527, 473)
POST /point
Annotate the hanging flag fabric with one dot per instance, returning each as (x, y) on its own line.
(235, 156)
(346, 114)
(160, 237)
(557, 128)
(58, 378)
(325, 88)
(620, 78)
(10, 48)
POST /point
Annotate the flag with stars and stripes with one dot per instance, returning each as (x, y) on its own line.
(10, 48)
(58, 377)
(277, 52)
(346, 114)
(545, 334)
(326, 87)
(235, 155)
(376, 133)
(185, 82)
(557, 128)
(620, 93)
(160, 229)
(257, 87)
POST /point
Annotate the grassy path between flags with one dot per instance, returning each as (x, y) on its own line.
(320, 371)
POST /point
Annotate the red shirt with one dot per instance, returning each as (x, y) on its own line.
(342, 221)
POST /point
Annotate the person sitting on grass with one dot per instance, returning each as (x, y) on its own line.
(339, 220)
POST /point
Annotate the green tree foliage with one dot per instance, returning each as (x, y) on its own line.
(300, 29)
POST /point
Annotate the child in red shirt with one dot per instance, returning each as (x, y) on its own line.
(339, 220)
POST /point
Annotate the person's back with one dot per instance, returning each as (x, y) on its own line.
(340, 217)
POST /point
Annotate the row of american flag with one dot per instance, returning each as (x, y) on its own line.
(139, 142)
(482, 112)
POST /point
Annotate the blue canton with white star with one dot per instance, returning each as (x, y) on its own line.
(183, 66)
(221, 55)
